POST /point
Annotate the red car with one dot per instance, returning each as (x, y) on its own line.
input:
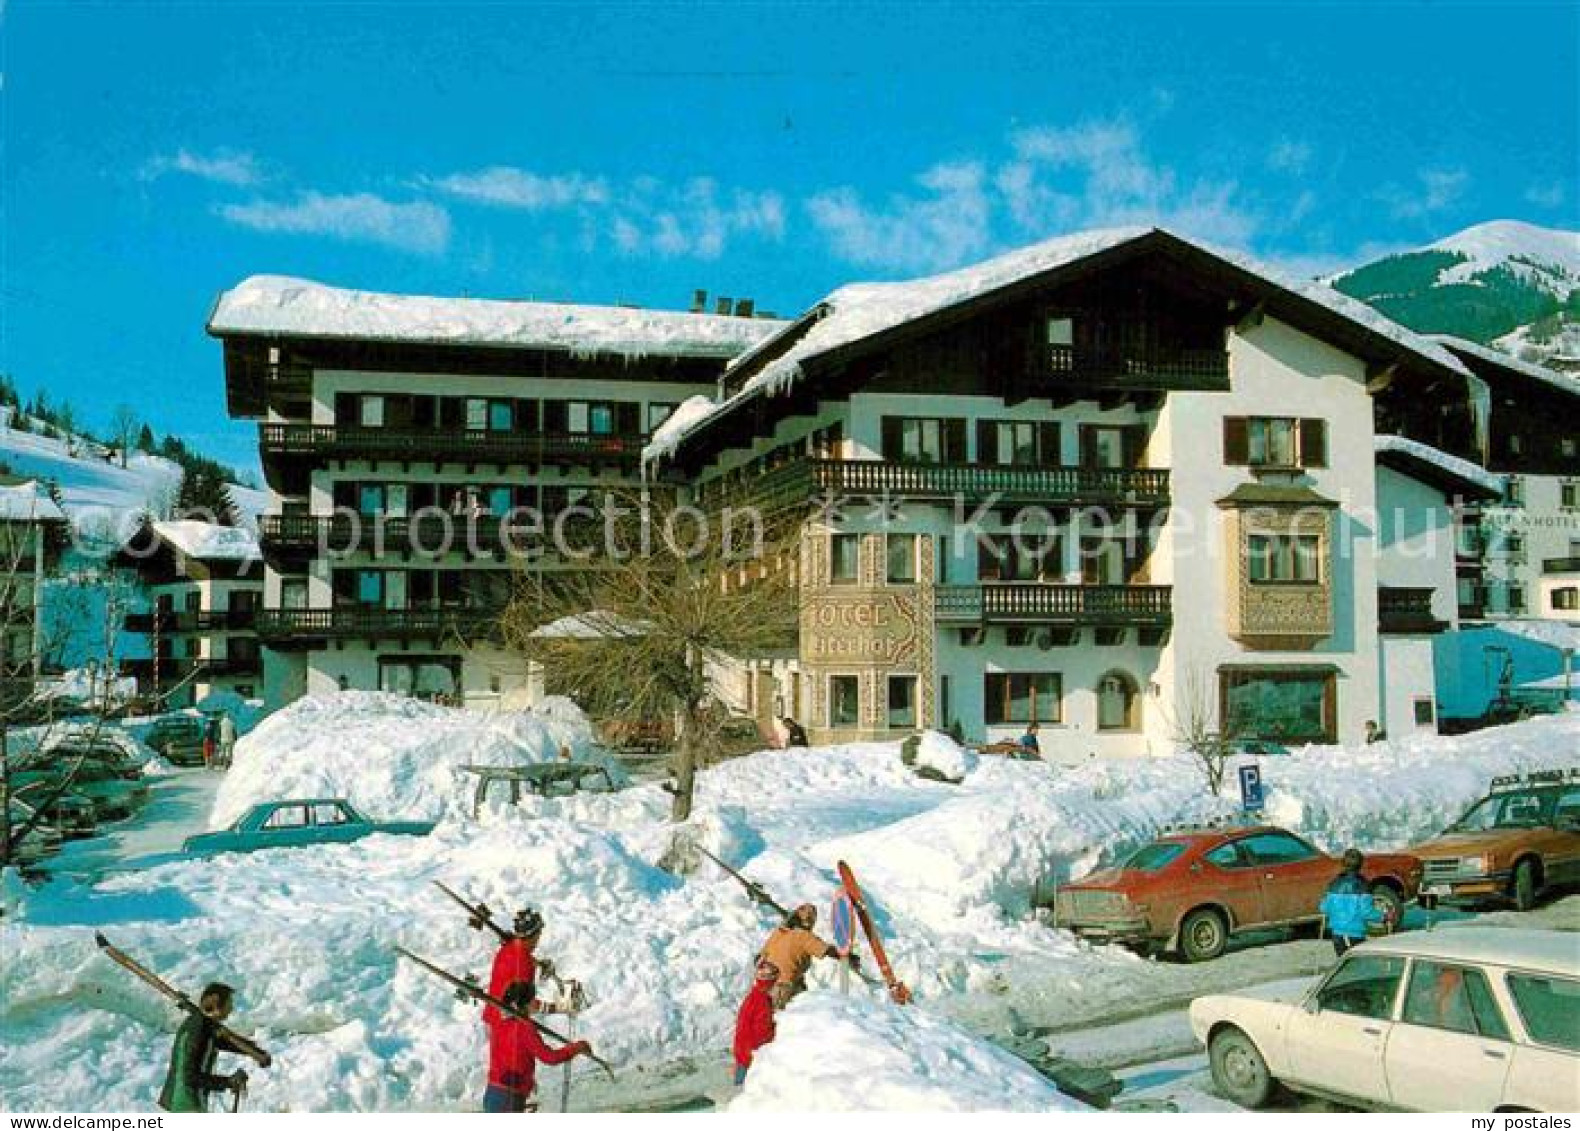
(1189, 891)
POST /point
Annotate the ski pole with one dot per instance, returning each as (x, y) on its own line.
(238, 1091)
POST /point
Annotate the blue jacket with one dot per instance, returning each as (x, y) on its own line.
(1348, 907)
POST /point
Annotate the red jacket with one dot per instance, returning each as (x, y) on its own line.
(514, 1049)
(513, 963)
(754, 1024)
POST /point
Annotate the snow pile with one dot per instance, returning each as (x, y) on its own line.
(949, 870)
(272, 304)
(833, 1053)
(207, 541)
(1459, 468)
(391, 756)
(938, 752)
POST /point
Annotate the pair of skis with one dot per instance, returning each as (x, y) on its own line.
(847, 878)
(245, 1045)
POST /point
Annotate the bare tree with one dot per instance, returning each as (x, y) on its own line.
(1194, 724)
(123, 429)
(641, 632)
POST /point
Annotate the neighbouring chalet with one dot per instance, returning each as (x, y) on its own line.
(1110, 484)
(33, 532)
(205, 585)
(432, 419)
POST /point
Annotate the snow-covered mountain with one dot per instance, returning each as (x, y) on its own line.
(1507, 283)
(95, 490)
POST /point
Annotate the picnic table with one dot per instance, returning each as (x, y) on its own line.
(543, 779)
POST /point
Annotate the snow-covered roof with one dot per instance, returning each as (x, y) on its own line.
(204, 541)
(1563, 382)
(1553, 633)
(859, 311)
(1450, 466)
(28, 502)
(274, 304)
(675, 425)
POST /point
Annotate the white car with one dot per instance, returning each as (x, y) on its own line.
(1457, 1019)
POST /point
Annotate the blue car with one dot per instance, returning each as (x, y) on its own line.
(298, 824)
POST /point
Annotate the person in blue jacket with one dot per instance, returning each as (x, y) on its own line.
(1347, 906)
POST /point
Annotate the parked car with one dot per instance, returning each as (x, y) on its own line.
(1460, 1019)
(1519, 840)
(112, 795)
(1190, 891)
(178, 738)
(71, 813)
(296, 824)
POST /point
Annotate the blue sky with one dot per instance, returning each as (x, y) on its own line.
(157, 153)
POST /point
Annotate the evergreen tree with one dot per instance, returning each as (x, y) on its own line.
(145, 439)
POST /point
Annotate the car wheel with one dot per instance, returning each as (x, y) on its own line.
(1238, 1069)
(1386, 900)
(1525, 885)
(1203, 935)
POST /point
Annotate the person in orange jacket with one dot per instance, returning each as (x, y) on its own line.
(791, 948)
(754, 1024)
(515, 1049)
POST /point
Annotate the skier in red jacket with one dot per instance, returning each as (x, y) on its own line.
(516, 962)
(515, 1048)
(754, 1024)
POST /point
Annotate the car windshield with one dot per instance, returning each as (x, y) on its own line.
(1154, 856)
(1508, 810)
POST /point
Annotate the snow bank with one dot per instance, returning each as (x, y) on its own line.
(834, 1053)
(272, 304)
(391, 756)
(308, 936)
(939, 752)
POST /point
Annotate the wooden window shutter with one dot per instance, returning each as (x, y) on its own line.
(627, 418)
(989, 565)
(345, 408)
(1088, 446)
(555, 416)
(1048, 453)
(954, 440)
(891, 437)
(1313, 443)
(987, 442)
(1236, 441)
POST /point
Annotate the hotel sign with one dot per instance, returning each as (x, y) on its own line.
(868, 627)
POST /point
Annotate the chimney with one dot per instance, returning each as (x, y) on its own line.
(744, 307)
(722, 305)
(699, 301)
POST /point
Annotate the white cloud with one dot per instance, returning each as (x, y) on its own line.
(948, 224)
(223, 165)
(696, 218)
(1433, 191)
(519, 188)
(1289, 156)
(1549, 195)
(417, 226)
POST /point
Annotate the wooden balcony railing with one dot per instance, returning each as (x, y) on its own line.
(431, 532)
(174, 668)
(338, 441)
(1406, 610)
(1165, 370)
(284, 627)
(1034, 602)
(192, 621)
(811, 479)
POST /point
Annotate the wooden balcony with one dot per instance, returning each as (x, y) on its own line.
(429, 533)
(171, 668)
(810, 480)
(288, 629)
(473, 447)
(232, 620)
(1033, 602)
(1402, 610)
(1180, 370)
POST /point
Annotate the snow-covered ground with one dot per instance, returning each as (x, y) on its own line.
(308, 936)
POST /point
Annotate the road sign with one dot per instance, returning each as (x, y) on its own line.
(843, 918)
(1251, 798)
